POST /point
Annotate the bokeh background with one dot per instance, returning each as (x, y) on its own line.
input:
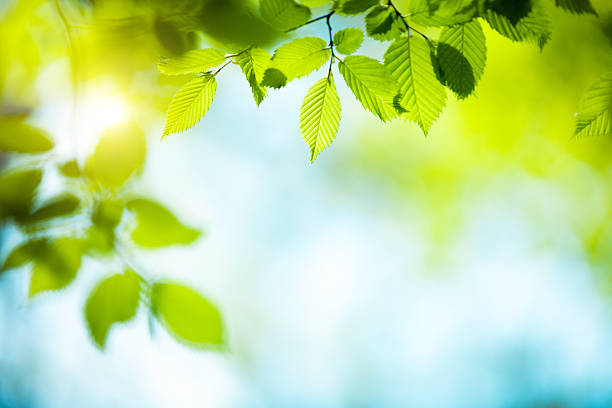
(469, 268)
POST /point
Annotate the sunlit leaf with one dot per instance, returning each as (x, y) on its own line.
(284, 14)
(190, 104)
(298, 58)
(576, 6)
(371, 84)
(157, 227)
(192, 62)
(254, 63)
(320, 116)
(381, 23)
(70, 169)
(348, 41)
(422, 96)
(118, 155)
(533, 27)
(187, 316)
(594, 117)
(350, 7)
(55, 264)
(114, 300)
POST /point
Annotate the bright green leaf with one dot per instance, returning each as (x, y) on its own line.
(190, 104)
(114, 300)
(56, 264)
(350, 7)
(70, 169)
(284, 14)
(348, 41)
(187, 316)
(594, 117)
(192, 62)
(381, 23)
(408, 60)
(298, 58)
(320, 116)
(254, 63)
(371, 84)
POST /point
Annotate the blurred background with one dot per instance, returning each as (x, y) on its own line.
(470, 268)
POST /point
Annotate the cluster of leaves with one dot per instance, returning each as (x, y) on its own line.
(97, 217)
(411, 81)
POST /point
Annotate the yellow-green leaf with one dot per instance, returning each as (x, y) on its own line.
(192, 62)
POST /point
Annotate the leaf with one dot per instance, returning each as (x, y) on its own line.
(350, 7)
(594, 117)
(408, 60)
(534, 27)
(19, 137)
(70, 169)
(284, 14)
(439, 13)
(253, 63)
(114, 300)
(296, 59)
(462, 55)
(22, 254)
(348, 41)
(577, 6)
(186, 315)
(17, 189)
(101, 235)
(119, 154)
(56, 264)
(371, 84)
(192, 62)
(320, 116)
(157, 226)
(381, 23)
(57, 207)
(190, 104)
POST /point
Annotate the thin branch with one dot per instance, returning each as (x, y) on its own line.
(331, 43)
(400, 16)
(314, 20)
(222, 66)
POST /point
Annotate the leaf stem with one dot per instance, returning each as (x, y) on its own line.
(222, 66)
(331, 42)
(400, 16)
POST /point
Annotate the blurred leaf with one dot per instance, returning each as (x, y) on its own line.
(371, 84)
(297, 59)
(320, 116)
(58, 207)
(348, 41)
(157, 226)
(462, 55)
(114, 300)
(594, 116)
(576, 6)
(108, 213)
(174, 40)
(19, 137)
(70, 169)
(190, 104)
(56, 264)
(186, 315)
(409, 62)
(119, 154)
(22, 254)
(350, 7)
(101, 235)
(17, 189)
(284, 14)
(192, 62)
(254, 63)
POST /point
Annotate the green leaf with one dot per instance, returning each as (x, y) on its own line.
(408, 60)
(17, 190)
(114, 300)
(253, 63)
(119, 154)
(320, 116)
(350, 7)
(439, 13)
(23, 254)
(186, 315)
(381, 23)
(371, 84)
(56, 264)
(192, 62)
(348, 41)
(70, 169)
(157, 226)
(284, 14)
(19, 137)
(61, 206)
(296, 59)
(594, 117)
(533, 27)
(577, 6)
(462, 55)
(190, 104)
